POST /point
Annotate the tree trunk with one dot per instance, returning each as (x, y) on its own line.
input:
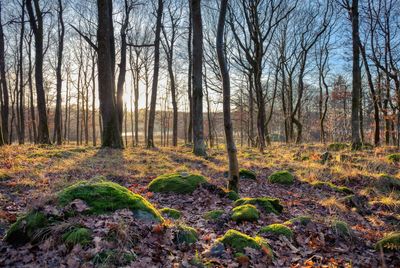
(198, 135)
(355, 93)
(230, 142)
(58, 118)
(4, 89)
(152, 115)
(189, 88)
(36, 21)
(93, 100)
(111, 136)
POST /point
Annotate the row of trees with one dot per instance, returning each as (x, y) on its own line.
(288, 62)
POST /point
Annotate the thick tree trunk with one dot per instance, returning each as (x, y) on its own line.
(58, 118)
(111, 136)
(36, 21)
(198, 135)
(230, 142)
(153, 102)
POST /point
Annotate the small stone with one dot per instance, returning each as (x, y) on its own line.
(217, 250)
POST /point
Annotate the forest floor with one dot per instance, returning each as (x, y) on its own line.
(32, 174)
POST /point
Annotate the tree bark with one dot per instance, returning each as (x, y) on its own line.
(198, 135)
(230, 142)
(36, 22)
(189, 88)
(58, 117)
(153, 101)
(111, 136)
(4, 97)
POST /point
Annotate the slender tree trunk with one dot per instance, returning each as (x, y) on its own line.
(230, 142)
(94, 100)
(189, 88)
(4, 97)
(198, 135)
(36, 21)
(58, 116)
(152, 115)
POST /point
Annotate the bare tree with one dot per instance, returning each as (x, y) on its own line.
(4, 97)
(36, 22)
(230, 142)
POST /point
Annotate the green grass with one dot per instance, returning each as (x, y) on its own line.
(334, 187)
(105, 196)
(390, 242)
(77, 235)
(341, 228)
(394, 158)
(338, 146)
(303, 220)
(179, 183)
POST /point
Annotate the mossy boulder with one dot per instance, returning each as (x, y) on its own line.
(387, 184)
(26, 228)
(282, 177)
(331, 186)
(266, 204)
(394, 158)
(303, 220)
(239, 241)
(180, 183)
(245, 212)
(390, 242)
(171, 213)
(341, 228)
(213, 214)
(247, 174)
(277, 229)
(105, 196)
(77, 235)
(338, 146)
(185, 234)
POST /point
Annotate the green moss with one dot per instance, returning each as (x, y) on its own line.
(245, 213)
(4, 176)
(213, 214)
(303, 220)
(247, 174)
(341, 228)
(330, 185)
(232, 195)
(277, 229)
(25, 228)
(180, 183)
(171, 213)
(338, 146)
(104, 196)
(267, 204)
(394, 158)
(239, 241)
(389, 242)
(386, 183)
(77, 235)
(282, 177)
(185, 234)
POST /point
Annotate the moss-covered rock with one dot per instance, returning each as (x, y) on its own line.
(26, 228)
(282, 177)
(232, 195)
(277, 229)
(267, 204)
(331, 186)
(220, 191)
(341, 228)
(390, 242)
(394, 158)
(213, 214)
(303, 220)
(387, 184)
(338, 146)
(77, 235)
(180, 183)
(245, 213)
(239, 241)
(105, 196)
(185, 234)
(171, 213)
(247, 174)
